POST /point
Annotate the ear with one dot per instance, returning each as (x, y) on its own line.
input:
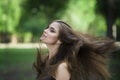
(59, 42)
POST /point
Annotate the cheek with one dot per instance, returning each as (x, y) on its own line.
(52, 39)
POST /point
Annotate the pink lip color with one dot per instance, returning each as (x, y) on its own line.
(44, 35)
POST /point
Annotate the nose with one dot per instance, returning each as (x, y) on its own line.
(45, 30)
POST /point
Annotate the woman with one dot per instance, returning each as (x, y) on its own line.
(71, 55)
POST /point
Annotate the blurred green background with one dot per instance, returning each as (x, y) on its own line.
(16, 64)
(23, 21)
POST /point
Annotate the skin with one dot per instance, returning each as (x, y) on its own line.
(50, 37)
(62, 72)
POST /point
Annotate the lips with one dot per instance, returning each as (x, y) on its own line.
(44, 35)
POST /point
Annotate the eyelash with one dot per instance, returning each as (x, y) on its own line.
(51, 30)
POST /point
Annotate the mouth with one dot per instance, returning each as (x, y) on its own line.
(43, 35)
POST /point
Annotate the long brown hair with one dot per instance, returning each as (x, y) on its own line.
(85, 55)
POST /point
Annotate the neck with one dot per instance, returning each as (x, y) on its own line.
(52, 49)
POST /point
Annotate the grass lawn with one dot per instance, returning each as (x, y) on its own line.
(115, 66)
(16, 64)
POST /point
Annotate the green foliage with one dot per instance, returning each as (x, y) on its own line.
(37, 14)
(49, 8)
(10, 13)
(79, 14)
(34, 24)
(32, 16)
(97, 27)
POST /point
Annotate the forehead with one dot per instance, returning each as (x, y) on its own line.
(55, 25)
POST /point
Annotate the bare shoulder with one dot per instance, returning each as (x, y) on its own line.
(62, 72)
(62, 65)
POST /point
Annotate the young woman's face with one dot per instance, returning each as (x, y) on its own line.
(50, 34)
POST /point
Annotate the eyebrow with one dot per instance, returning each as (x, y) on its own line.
(52, 28)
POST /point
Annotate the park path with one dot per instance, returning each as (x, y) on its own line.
(29, 45)
(21, 45)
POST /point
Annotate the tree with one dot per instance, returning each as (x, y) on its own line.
(110, 10)
(9, 19)
(50, 8)
(80, 14)
(36, 14)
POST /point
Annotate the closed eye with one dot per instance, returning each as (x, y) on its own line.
(52, 29)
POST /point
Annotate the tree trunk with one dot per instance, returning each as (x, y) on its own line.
(110, 23)
(110, 20)
(118, 33)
